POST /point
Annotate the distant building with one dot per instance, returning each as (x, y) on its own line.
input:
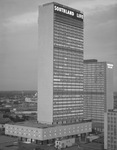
(98, 91)
(110, 130)
(60, 81)
(115, 100)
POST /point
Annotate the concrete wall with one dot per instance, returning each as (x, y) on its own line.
(24, 131)
(45, 65)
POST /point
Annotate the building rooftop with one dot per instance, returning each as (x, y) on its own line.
(90, 60)
(63, 6)
(44, 125)
(33, 124)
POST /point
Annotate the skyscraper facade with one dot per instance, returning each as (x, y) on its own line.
(98, 90)
(110, 130)
(60, 84)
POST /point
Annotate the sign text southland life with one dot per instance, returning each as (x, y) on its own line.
(68, 12)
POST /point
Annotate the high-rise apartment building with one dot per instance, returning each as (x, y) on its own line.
(60, 84)
(110, 130)
(98, 90)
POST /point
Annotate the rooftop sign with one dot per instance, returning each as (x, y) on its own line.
(110, 66)
(74, 14)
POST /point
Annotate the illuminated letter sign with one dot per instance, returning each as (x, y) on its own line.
(79, 15)
(110, 66)
(63, 10)
(74, 14)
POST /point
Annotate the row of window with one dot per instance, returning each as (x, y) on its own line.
(67, 69)
(59, 39)
(73, 24)
(68, 90)
(67, 31)
(70, 115)
(67, 83)
(62, 107)
(75, 118)
(67, 34)
(68, 46)
(69, 96)
(98, 89)
(67, 75)
(67, 86)
(68, 41)
(93, 67)
(66, 37)
(66, 80)
(67, 65)
(66, 112)
(67, 52)
(67, 26)
(67, 104)
(68, 58)
(68, 100)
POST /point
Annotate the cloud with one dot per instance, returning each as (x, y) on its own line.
(91, 6)
(23, 20)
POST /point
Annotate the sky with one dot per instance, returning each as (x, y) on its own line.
(19, 38)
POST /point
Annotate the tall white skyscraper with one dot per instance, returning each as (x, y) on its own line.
(60, 84)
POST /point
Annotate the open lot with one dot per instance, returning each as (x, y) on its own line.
(8, 143)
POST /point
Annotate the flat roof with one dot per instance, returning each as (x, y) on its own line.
(90, 60)
(44, 125)
(96, 61)
(33, 124)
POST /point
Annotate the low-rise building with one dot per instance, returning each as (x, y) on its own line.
(41, 132)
